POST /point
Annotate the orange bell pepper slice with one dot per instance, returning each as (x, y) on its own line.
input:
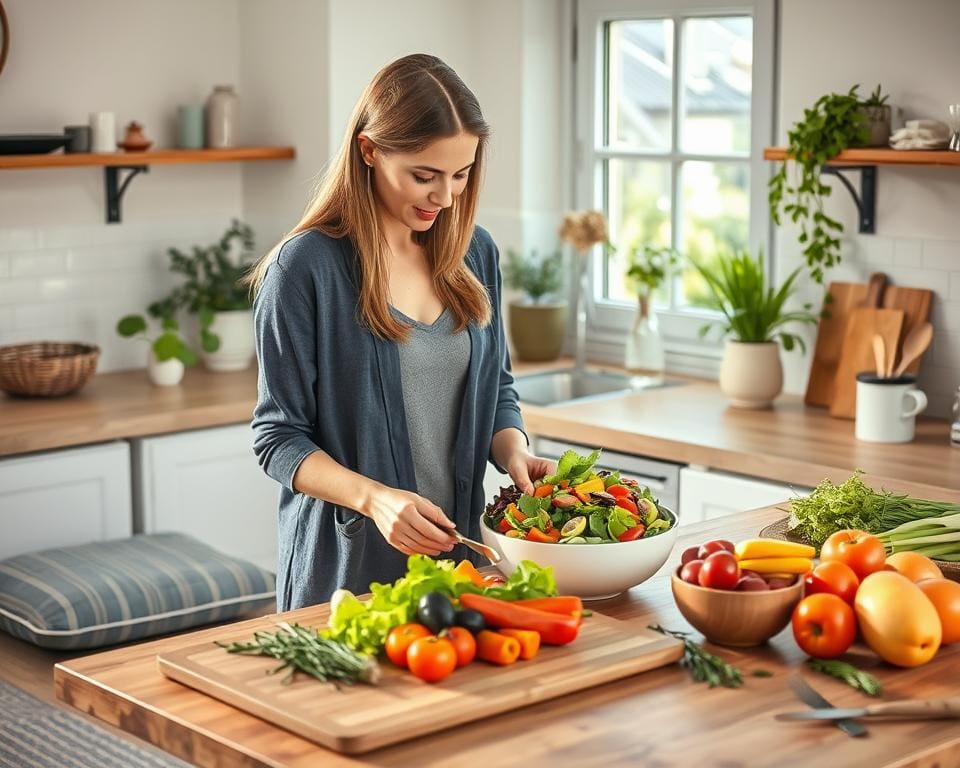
(544, 490)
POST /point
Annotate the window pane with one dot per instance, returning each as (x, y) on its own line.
(640, 84)
(717, 74)
(638, 205)
(715, 217)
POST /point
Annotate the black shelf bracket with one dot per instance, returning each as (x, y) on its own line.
(116, 188)
(866, 200)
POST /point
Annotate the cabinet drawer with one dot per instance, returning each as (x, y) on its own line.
(63, 498)
(706, 494)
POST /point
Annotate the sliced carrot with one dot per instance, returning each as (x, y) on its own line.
(544, 490)
(535, 534)
(528, 639)
(497, 648)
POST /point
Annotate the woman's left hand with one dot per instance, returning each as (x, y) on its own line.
(523, 468)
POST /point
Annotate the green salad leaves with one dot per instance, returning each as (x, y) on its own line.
(363, 624)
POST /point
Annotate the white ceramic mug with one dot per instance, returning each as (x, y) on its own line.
(103, 132)
(887, 408)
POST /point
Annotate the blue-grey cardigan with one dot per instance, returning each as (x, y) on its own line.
(327, 382)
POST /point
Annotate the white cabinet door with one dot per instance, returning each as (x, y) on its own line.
(66, 497)
(208, 484)
(706, 494)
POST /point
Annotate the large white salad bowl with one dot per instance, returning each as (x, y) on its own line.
(592, 571)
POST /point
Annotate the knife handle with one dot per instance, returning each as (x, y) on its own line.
(920, 709)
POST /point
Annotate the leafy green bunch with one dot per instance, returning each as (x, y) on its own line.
(648, 265)
(834, 123)
(536, 275)
(753, 310)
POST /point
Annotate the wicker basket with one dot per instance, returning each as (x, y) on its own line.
(46, 368)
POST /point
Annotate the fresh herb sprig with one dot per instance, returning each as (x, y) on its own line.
(304, 650)
(854, 504)
(855, 678)
(704, 666)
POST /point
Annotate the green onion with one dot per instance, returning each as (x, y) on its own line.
(935, 537)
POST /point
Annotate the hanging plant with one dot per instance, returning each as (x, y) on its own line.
(834, 123)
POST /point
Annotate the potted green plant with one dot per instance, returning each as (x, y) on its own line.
(834, 123)
(168, 354)
(537, 321)
(211, 289)
(647, 267)
(755, 317)
(876, 116)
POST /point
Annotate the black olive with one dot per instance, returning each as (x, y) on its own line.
(471, 620)
(435, 611)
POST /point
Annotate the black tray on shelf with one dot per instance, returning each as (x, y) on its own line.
(31, 143)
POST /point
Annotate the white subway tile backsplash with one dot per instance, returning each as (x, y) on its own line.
(37, 263)
(907, 253)
(4, 265)
(941, 254)
(16, 291)
(932, 279)
(946, 351)
(877, 251)
(20, 239)
(39, 316)
(955, 286)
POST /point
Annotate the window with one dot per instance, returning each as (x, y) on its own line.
(674, 106)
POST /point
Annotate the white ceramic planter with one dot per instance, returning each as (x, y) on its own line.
(751, 374)
(168, 373)
(235, 330)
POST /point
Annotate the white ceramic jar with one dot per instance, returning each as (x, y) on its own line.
(221, 119)
(887, 408)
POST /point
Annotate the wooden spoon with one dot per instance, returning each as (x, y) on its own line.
(879, 355)
(914, 345)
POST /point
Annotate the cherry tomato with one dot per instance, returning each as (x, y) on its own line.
(690, 572)
(399, 640)
(625, 502)
(632, 534)
(717, 545)
(824, 626)
(719, 571)
(463, 643)
(690, 553)
(834, 578)
(858, 549)
(618, 490)
(432, 658)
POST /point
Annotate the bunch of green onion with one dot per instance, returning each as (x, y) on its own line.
(935, 537)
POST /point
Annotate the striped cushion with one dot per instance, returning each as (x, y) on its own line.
(116, 591)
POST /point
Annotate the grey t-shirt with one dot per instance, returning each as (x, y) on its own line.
(433, 371)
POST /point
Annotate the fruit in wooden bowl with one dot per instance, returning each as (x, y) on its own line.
(736, 617)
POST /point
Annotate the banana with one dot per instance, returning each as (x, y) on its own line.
(778, 565)
(751, 549)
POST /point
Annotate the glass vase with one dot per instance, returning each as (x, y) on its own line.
(644, 352)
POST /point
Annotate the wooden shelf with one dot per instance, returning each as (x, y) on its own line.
(139, 162)
(880, 156)
(150, 157)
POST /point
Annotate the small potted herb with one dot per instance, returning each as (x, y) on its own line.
(754, 319)
(538, 321)
(647, 267)
(168, 354)
(876, 117)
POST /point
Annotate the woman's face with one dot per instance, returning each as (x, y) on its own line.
(413, 188)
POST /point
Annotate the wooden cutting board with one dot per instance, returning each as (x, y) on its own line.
(857, 353)
(359, 718)
(915, 303)
(831, 331)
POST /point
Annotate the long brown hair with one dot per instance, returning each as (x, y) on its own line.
(410, 103)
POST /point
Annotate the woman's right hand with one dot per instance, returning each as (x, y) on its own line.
(409, 522)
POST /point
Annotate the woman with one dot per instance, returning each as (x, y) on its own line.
(385, 381)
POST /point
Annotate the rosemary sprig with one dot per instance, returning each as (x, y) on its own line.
(704, 666)
(305, 650)
(855, 678)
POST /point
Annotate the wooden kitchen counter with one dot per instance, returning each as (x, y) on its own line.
(689, 424)
(659, 717)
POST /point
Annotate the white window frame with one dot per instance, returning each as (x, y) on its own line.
(610, 320)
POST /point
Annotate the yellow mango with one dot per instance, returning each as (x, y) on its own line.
(897, 620)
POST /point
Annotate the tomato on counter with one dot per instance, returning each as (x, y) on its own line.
(862, 551)
(824, 626)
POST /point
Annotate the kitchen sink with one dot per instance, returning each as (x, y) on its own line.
(572, 385)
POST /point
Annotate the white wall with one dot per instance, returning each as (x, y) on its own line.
(912, 49)
(299, 66)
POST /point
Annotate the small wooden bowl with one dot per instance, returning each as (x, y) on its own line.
(737, 619)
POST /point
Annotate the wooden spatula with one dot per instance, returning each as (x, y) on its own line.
(915, 303)
(914, 345)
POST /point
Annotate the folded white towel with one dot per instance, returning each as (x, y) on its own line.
(921, 134)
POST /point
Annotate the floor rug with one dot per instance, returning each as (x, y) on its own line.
(34, 734)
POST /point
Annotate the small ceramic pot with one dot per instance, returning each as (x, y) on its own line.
(751, 374)
(236, 351)
(538, 330)
(167, 373)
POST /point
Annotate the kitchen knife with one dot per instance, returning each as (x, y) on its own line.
(809, 696)
(922, 709)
